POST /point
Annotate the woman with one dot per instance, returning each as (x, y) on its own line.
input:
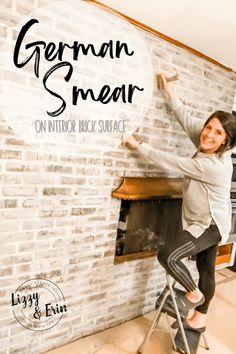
(206, 209)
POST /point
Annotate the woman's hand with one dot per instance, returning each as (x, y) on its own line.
(130, 142)
(167, 87)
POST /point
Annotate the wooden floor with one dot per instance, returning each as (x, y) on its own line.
(126, 338)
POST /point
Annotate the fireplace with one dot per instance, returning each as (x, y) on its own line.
(150, 212)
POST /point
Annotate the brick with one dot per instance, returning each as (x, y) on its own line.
(115, 154)
(83, 211)
(8, 203)
(19, 191)
(30, 203)
(18, 214)
(36, 224)
(62, 222)
(39, 156)
(10, 154)
(84, 171)
(31, 246)
(9, 18)
(49, 275)
(7, 249)
(56, 191)
(69, 202)
(74, 159)
(9, 226)
(21, 167)
(16, 259)
(5, 271)
(59, 169)
(97, 219)
(26, 7)
(72, 180)
(46, 213)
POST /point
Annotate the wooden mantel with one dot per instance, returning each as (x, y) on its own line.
(142, 188)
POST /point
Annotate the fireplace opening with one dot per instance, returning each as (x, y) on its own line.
(150, 213)
(144, 224)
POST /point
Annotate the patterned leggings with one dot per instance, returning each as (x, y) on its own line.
(171, 253)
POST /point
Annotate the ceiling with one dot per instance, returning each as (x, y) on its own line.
(208, 26)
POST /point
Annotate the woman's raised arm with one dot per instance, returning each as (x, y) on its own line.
(191, 125)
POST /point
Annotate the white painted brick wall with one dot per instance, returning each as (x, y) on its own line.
(57, 218)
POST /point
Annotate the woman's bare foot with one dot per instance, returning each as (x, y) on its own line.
(198, 320)
(194, 296)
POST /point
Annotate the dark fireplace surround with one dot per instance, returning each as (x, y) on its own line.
(150, 212)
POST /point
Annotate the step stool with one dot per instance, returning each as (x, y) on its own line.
(169, 290)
